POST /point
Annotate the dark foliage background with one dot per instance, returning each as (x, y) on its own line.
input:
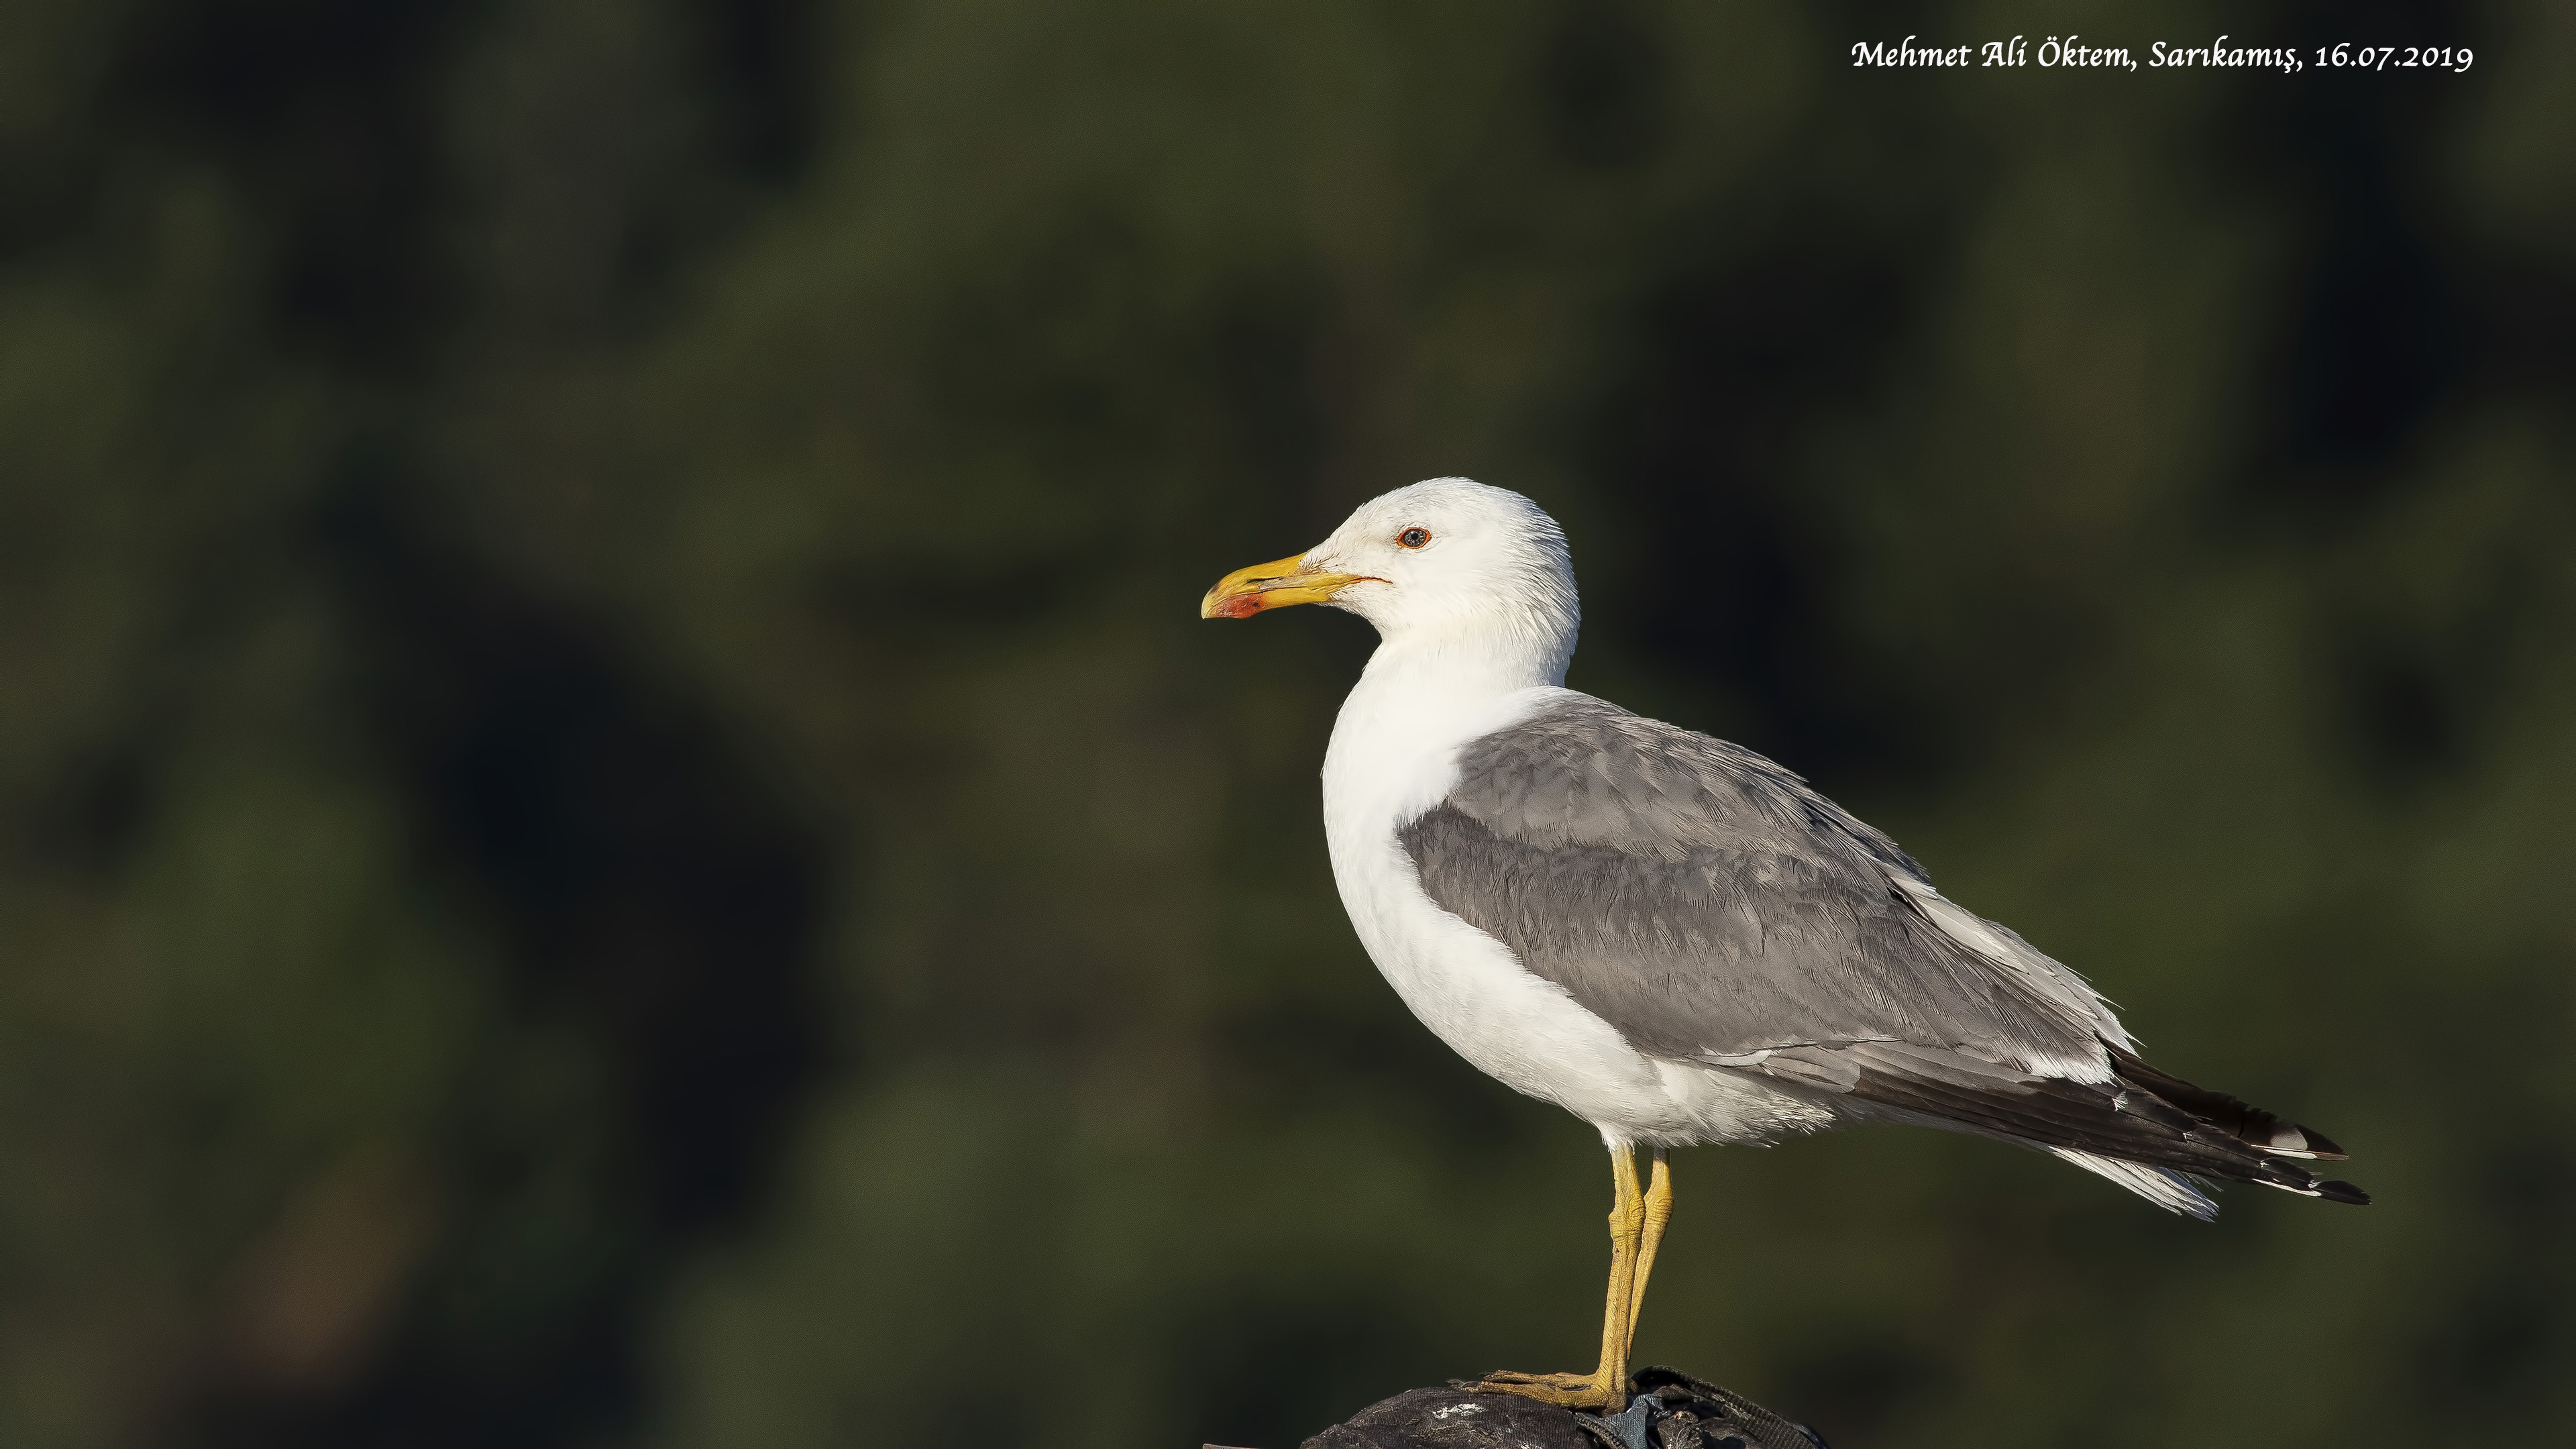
(617, 829)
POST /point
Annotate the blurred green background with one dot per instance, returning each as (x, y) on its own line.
(615, 828)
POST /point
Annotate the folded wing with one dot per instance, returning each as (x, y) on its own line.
(1714, 908)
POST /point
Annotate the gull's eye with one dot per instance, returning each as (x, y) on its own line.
(1414, 537)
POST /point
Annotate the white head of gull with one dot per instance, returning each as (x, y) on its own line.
(1670, 936)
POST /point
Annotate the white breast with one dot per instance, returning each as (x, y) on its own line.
(1394, 755)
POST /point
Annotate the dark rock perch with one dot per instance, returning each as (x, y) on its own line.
(1668, 1410)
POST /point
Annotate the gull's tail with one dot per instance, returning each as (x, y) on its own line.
(2166, 1188)
(2203, 1115)
(2151, 1132)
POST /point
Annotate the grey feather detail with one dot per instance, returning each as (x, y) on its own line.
(1711, 907)
(1708, 904)
(2002, 945)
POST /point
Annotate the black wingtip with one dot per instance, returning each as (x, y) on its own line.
(2343, 1192)
(2320, 1146)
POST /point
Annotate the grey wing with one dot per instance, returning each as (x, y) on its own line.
(1710, 905)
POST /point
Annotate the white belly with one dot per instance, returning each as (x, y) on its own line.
(1518, 1028)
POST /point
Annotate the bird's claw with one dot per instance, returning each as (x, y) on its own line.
(1566, 1391)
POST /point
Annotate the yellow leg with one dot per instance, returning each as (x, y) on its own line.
(1605, 1387)
(1659, 1211)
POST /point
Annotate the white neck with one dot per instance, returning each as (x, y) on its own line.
(1458, 659)
(1423, 695)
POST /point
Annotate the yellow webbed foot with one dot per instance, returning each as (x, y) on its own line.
(1566, 1391)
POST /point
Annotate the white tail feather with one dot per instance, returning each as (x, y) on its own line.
(2168, 1190)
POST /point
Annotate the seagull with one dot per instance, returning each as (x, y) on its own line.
(1670, 936)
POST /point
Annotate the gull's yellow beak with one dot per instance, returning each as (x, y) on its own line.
(1275, 585)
